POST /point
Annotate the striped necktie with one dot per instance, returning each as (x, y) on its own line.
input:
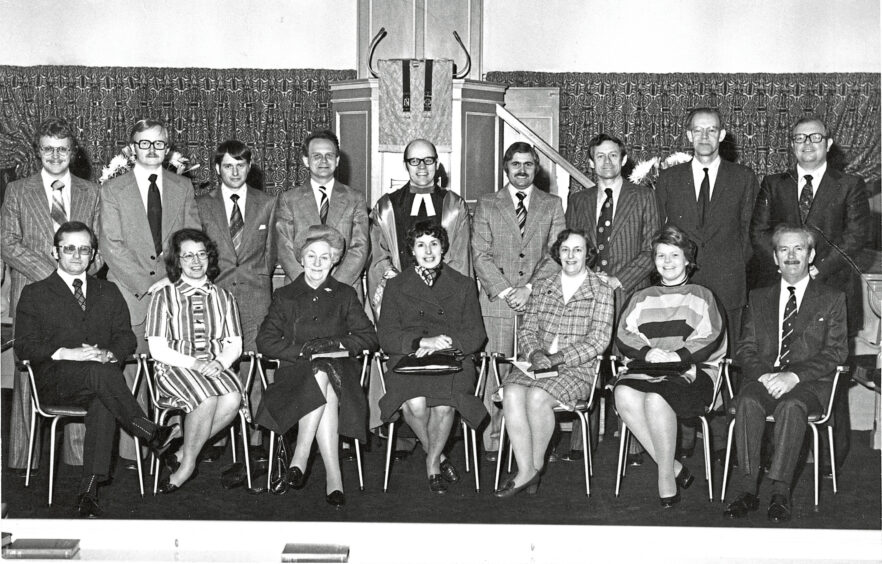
(323, 207)
(78, 293)
(787, 328)
(521, 211)
(237, 224)
(59, 216)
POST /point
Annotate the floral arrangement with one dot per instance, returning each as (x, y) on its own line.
(646, 172)
(125, 160)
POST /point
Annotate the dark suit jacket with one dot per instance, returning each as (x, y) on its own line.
(49, 317)
(840, 211)
(26, 229)
(821, 338)
(126, 242)
(635, 222)
(248, 274)
(724, 241)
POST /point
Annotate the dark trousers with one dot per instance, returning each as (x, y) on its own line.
(101, 390)
(791, 411)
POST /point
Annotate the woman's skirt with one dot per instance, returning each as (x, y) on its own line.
(186, 389)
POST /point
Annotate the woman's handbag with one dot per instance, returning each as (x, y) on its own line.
(447, 361)
(279, 467)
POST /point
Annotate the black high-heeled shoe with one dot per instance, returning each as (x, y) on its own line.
(167, 487)
(685, 478)
(509, 489)
(670, 501)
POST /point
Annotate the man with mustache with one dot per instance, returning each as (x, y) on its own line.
(511, 237)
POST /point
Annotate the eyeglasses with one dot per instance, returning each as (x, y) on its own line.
(428, 161)
(812, 137)
(193, 257)
(60, 151)
(158, 145)
(71, 250)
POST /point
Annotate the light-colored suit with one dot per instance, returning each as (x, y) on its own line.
(26, 236)
(505, 259)
(347, 213)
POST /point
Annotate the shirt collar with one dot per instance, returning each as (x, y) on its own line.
(48, 179)
(69, 278)
(712, 167)
(329, 186)
(241, 192)
(512, 191)
(142, 175)
(817, 174)
(800, 288)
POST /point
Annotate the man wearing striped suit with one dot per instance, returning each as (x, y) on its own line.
(511, 236)
(33, 210)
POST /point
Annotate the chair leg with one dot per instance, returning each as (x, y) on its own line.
(499, 453)
(140, 467)
(52, 457)
(233, 442)
(817, 455)
(587, 444)
(620, 470)
(475, 459)
(465, 444)
(31, 446)
(390, 440)
(728, 457)
(244, 427)
(270, 463)
(832, 458)
(358, 461)
(160, 416)
(510, 455)
(588, 454)
(705, 428)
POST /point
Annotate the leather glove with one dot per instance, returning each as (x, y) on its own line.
(540, 360)
(320, 345)
(556, 358)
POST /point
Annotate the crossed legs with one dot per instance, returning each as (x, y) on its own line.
(529, 416)
(321, 425)
(432, 427)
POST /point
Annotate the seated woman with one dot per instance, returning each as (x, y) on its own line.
(429, 308)
(194, 336)
(673, 337)
(323, 396)
(568, 323)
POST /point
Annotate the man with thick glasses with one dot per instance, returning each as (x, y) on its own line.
(75, 331)
(33, 210)
(324, 201)
(139, 212)
(834, 206)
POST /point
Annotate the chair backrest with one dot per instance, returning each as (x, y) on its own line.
(35, 400)
(826, 415)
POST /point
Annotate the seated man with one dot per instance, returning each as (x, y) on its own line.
(794, 335)
(75, 331)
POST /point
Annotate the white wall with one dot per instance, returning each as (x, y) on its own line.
(682, 35)
(180, 33)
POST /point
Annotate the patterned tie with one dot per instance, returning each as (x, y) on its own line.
(59, 216)
(703, 198)
(787, 328)
(237, 224)
(78, 293)
(154, 213)
(521, 211)
(805, 198)
(604, 227)
(323, 207)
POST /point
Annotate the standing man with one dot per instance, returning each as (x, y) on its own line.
(34, 208)
(76, 332)
(621, 219)
(834, 206)
(512, 233)
(794, 337)
(241, 220)
(324, 201)
(139, 212)
(712, 201)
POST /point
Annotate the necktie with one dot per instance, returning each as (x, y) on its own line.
(521, 211)
(323, 207)
(57, 212)
(787, 328)
(154, 213)
(78, 293)
(703, 198)
(236, 223)
(805, 198)
(604, 227)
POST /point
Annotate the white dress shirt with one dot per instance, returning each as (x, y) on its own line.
(329, 189)
(65, 192)
(228, 203)
(698, 175)
(601, 198)
(69, 278)
(817, 176)
(142, 178)
(783, 297)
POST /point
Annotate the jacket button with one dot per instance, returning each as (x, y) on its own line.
(152, 257)
(522, 255)
(152, 273)
(421, 313)
(314, 318)
(520, 273)
(440, 311)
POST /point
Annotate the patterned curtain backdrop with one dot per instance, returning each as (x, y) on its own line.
(272, 111)
(647, 110)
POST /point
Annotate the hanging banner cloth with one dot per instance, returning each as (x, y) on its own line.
(416, 100)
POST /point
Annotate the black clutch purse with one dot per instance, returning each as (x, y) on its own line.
(447, 361)
(658, 368)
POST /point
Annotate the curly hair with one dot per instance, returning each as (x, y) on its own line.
(590, 249)
(428, 228)
(676, 237)
(172, 257)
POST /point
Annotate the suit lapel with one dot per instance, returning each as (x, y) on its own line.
(506, 209)
(686, 192)
(36, 202)
(624, 208)
(535, 214)
(220, 217)
(253, 209)
(172, 202)
(130, 199)
(809, 305)
(336, 205)
(770, 316)
(788, 196)
(308, 207)
(79, 200)
(824, 194)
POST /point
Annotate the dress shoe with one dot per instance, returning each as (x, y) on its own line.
(296, 478)
(491, 455)
(575, 455)
(211, 453)
(509, 489)
(448, 472)
(635, 459)
(399, 455)
(553, 457)
(162, 438)
(779, 509)
(22, 472)
(685, 453)
(336, 498)
(670, 501)
(128, 464)
(437, 485)
(685, 478)
(741, 505)
(171, 462)
(347, 454)
(167, 487)
(87, 505)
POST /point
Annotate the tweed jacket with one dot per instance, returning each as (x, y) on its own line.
(503, 258)
(583, 325)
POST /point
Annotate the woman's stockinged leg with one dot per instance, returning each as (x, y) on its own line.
(540, 415)
(514, 407)
(663, 431)
(440, 423)
(631, 405)
(197, 430)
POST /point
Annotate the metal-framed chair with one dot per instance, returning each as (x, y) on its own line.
(381, 359)
(625, 435)
(814, 421)
(56, 413)
(365, 364)
(162, 410)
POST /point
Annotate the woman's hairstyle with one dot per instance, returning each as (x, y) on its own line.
(324, 233)
(676, 237)
(428, 228)
(172, 257)
(590, 249)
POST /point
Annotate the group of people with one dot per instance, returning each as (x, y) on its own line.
(659, 276)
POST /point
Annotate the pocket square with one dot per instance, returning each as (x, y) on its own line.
(262, 226)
